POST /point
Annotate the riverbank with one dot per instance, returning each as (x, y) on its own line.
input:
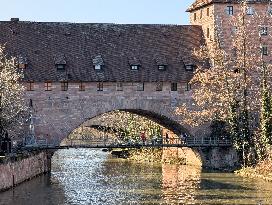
(262, 170)
(25, 166)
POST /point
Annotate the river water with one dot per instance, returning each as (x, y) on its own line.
(84, 176)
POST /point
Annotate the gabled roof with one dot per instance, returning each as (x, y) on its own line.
(80, 44)
(202, 3)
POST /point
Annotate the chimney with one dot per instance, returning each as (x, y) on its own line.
(14, 19)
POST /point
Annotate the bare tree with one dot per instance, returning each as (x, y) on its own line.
(12, 105)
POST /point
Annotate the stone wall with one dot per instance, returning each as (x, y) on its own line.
(212, 158)
(57, 113)
(14, 173)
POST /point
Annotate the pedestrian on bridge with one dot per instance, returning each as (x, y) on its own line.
(143, 137)
(167, 138)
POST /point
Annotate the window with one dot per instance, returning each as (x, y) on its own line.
(263, 31)
(264, 50)
(134, 67)
(162, 67)
(30, 86)
(189, 67)
(22, 65)
(250, 10)
(201, 13)
(159, 86)
(64, 86)
(269, 11)
(208, 11)
(234, 29)
(194, 16)
(100, 86)
(208, 32)
(97, 67)
(188, 87)
(230, 10)
(30, 103)
(119, 86)
(81, 86)
(140, 86)
(60, 67)
(47, 86)
(174, 87)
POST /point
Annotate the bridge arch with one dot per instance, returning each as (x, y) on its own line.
(57, 121)
(163, 121)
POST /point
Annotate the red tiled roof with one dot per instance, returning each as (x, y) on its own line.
(79, 44)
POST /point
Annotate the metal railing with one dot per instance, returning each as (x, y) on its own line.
(114, 143)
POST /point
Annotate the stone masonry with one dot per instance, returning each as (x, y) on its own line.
(57, 113)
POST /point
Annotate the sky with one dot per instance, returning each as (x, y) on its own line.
(97, 11)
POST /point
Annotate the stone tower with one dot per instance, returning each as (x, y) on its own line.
(209, 13)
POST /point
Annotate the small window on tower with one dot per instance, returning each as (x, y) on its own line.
(264, 50)
(194, 16)
(230, 10)
(250, 10)
(208, 11)
(201, 14)
(269, 10)
(263, 31)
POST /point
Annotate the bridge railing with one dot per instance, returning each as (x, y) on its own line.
(171, 142)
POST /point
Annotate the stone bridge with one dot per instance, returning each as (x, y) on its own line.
(57, 114)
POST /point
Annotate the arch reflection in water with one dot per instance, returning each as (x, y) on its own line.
(180, 183)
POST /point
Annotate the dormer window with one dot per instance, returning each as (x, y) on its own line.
(98, 63)
(134, 67)
(189, 67)
(162, 67)
(134, 63)
(22, 66)
(161, 62)
(60, 67)
(22, 62)
(60, 62)
(97, 67)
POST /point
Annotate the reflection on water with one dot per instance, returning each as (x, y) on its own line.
(179, 183)
(85, 176)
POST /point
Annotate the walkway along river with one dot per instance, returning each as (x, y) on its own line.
(85, 176)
